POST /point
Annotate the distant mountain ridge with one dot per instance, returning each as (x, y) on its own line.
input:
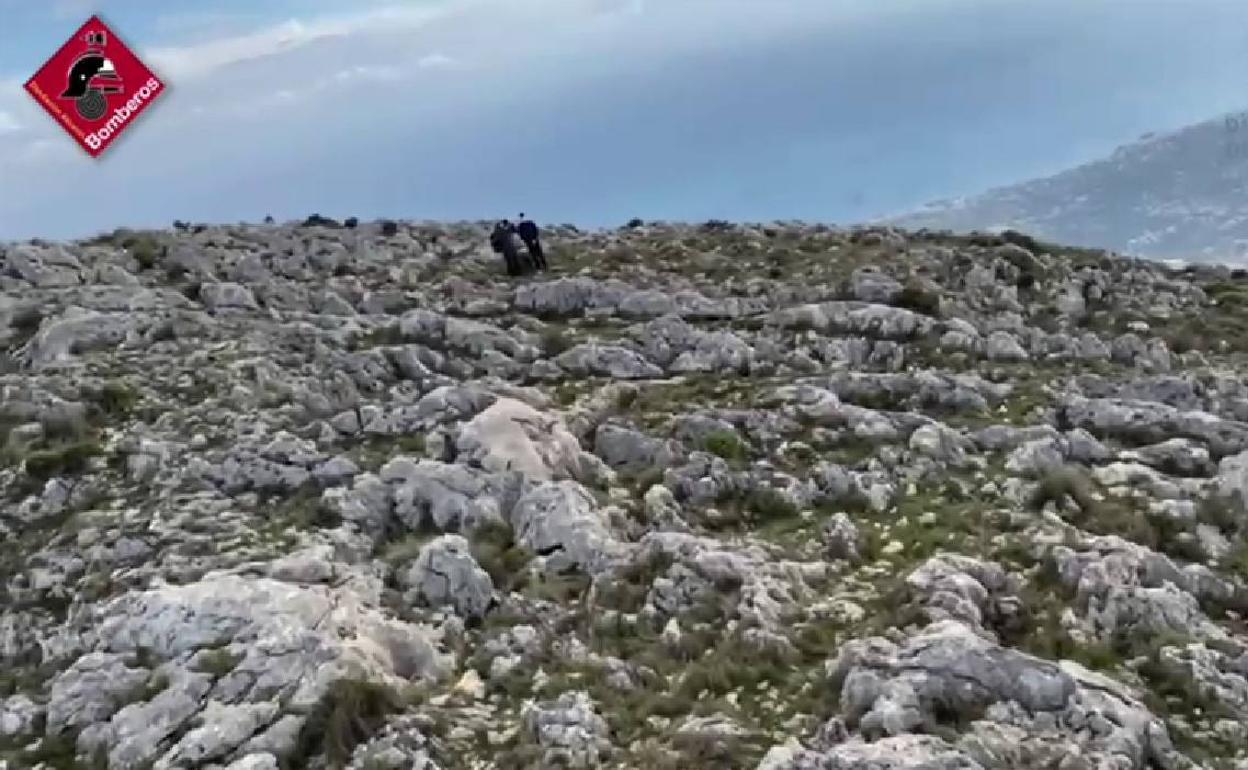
(1180, 195)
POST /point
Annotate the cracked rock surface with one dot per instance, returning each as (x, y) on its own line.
(772, 496)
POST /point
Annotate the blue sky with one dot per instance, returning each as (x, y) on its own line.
(595, 111)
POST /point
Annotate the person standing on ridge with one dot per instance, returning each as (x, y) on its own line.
(528, 233)
(523, 260)
(496, 242)
(503, 241)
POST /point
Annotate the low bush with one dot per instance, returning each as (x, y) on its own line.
(351, 712)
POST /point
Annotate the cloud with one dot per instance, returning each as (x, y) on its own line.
(350, 77)
(202, 59)
(380, 74)
(726, 105)
(436, 61)
(8, 124)
(620, 6)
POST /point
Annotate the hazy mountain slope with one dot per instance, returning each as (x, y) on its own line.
(1176, 195)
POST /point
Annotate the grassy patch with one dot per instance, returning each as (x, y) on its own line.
(914, 296)
(495, 549)
(561, 589)
(731, 666)
(1172, 692)
(24, 324)
(30, 679)
(405, 550)
(144, 247)
(1069, 483)
(767, 505)
(352, 711)
(58, 752)
(157, 683)
(626, 591)
(382, 336)
(376, 451)
(726, 444)
(67, 460)
(851, 450)
(218, 662)
(556, 340)
(752, 509)
(695, 678)
(114, 399)
(304, 509)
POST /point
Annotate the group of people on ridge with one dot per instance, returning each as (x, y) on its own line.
(506, 239)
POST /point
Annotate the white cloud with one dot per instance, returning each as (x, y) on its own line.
(267, 101)
(382, 74)
(436, 61)
(205, 58)
(621, 6)
(9, 124)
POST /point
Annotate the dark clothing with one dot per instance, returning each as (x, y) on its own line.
(535, 254)
(503, 241)
(528, 233)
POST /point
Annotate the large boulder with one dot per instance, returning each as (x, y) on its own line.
(230, 655)
(561, 522)
(510, 435)
(445, 574)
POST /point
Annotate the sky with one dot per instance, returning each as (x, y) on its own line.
(597, 111)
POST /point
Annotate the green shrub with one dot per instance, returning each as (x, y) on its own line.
(770, 505)
(561, 589)
(919, 299)
(351, 712)
(726, 444)
(1221, 512)
(1026, 262)
(25, 323)
(555, 341)
(1066, 482)
(494, 547)
(218, 662)
(731, 665)
(114, 399)
(1176, 539)
(1021, 239)
(144, 247)
(626, 591)
(1182, 338)
(157, 683)
(58, 752)
(381, 336)
(404, 551)
(64, 426)
(410, 444)
(68, 460)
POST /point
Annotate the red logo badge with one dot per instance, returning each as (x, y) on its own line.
(95, 87)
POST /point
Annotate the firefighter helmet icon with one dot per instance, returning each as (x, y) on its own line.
(91, 77)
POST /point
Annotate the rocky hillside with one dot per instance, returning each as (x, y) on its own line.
(1182, 195)
(779, 497)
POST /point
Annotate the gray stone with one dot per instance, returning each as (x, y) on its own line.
(446, 574)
